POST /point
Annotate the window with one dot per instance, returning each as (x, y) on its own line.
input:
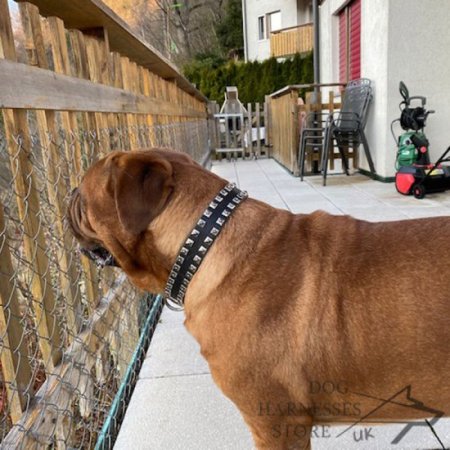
(261, 28)
(273, 22)
(268, 23)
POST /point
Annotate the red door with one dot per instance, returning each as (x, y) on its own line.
(350, 42)
(355, 40)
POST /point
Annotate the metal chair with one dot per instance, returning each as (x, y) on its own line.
(313, 138)
(347, 129)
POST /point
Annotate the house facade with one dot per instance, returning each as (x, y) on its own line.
(388, 41)
(277, 28)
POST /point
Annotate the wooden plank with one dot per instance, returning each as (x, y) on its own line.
(16, 124)
(250, 126)
(274, 127)
(34, 241)
(258, 129)
(285, 129)
(96, 60)
(148, 92)
(128, 84)
(234, 131)
(34, 88)
(157, 120)
(7, 47)
(89, 124)
(57, 167)
(227, 133)
(145, 121)
(267, 126)
(104, 61)
(294, 134)
(297, 87)
(141, 119)
(122, 118)
(16, 369)
(235, 121)
(163, 119)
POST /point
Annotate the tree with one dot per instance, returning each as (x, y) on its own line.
(182, 28)
(230, 29)
(179, 29)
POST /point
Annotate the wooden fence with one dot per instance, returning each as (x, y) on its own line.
(287, 111)
(241, 134)
(88, 86)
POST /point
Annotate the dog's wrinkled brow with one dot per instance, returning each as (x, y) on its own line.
(77, 210)
(74, 213)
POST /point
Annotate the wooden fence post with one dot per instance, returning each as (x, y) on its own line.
(56, 167)
(19, 145)
(250, 129)
(95, 60)
(258, 129)
(267, 124)
(294, 133)
(16, 369)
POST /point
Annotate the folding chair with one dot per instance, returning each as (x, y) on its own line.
(348, 128)
(313, 138)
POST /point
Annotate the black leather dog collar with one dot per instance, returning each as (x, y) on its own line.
(199, 242)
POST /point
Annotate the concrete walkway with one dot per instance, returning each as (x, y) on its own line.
(176, 405)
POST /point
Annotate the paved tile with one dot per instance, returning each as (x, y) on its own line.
(173, 351)
(177, 406)
(181, 413)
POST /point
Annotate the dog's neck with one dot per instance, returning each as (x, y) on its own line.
(168, 232)
(186, 206)
(199, 242)
(235, 245)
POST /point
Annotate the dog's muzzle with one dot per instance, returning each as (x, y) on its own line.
(100, 256)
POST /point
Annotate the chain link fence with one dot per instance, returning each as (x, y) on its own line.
(72, 337)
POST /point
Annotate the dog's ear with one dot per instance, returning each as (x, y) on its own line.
(141, 183)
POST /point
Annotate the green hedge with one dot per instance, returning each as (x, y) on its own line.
(254, 79)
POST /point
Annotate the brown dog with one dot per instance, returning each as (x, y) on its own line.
(303, 319)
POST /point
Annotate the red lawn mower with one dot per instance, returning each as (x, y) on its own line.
(415, 174)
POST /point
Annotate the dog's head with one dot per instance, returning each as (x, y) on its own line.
(118, 198)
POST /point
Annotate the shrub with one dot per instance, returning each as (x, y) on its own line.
(211, 74)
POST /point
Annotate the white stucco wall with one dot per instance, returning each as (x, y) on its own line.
(290, 16)
(374, 65)
(405, 40)
(329, 41)
(419, 54)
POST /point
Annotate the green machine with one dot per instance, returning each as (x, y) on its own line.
(408, 152)
(412, 145)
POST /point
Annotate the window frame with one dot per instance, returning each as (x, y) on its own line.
(262, 32)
